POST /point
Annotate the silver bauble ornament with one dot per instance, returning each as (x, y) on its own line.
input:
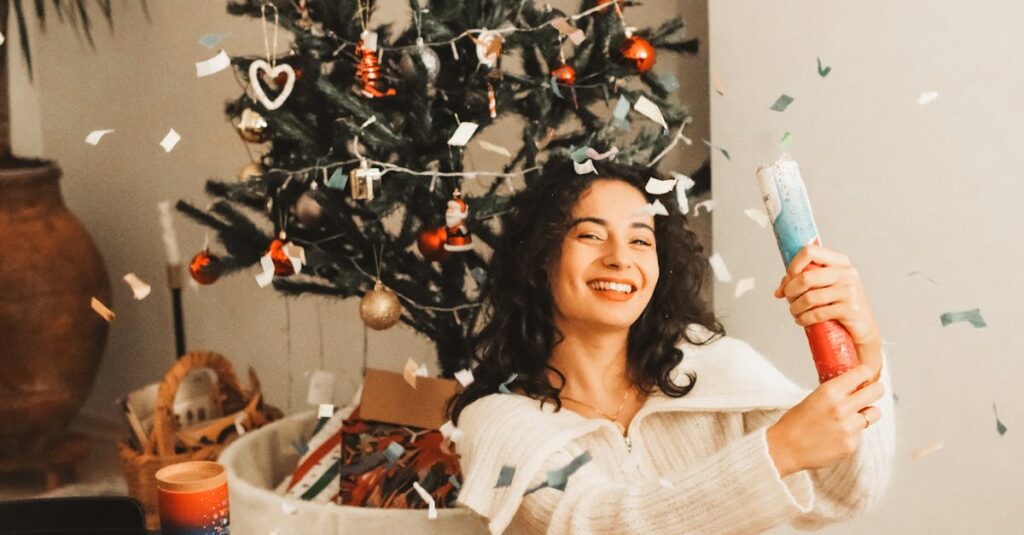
(431, 63)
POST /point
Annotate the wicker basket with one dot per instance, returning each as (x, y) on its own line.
(168, 445)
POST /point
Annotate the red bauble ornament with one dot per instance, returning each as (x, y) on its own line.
(431, 242)
(205, 268)
(282, 264)
(638, 52)
(368, 72)
(565, 74)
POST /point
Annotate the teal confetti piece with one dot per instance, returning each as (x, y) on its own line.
(554, 87)
(621, 108)
(782, 102)
(300, 447)
(973, 316)
(621, 124)
(338, 179)
(912, 273)
(720, 149)
(558, 478)
(669, 82)
(394, 452)
(998, 424)
(505, 477)
(503, 387)
(823, 72)
(578, 154)
(478, 275)
(455, 482)
(211, 40)
(787, 141)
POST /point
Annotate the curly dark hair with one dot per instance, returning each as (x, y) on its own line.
(519, 331)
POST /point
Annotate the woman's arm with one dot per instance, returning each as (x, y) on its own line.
(853, 485)
(735, 490)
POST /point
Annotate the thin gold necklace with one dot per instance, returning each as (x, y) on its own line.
(613, 417)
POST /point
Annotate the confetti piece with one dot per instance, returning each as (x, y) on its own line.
(426, 497)
(422, 370)
(296, 255)
(167, 234)
(300, 447)
(170, 140)
(927, 450)
(786, 141)
(621, 108)
(972, 316)
(239, 420)
(782, 103)
(505, 477)
(823, 71)
(578, 154)
(369, 40)
(683, 183)
(584, 168)
(338, 180)
(455, 51)
(321, 388)
(102, 310)
(927, 97)
(669, 82)
(464, 376)
(653, 208)
(394, 452)
(139, 288)
(95, 136)
(449, 431)
(503, 387)
(267, 275)
(553, 82)
(1000, 428)
(454, 481)
(288, 508)
(558, 478)
(718, 266)
(707, 205)
(497, 149)
(213, 65)
(462, 134)
(666, 484)
(479, 275)
(744, 286)
(211, 40)
(718, 85)
(758, 216)
(912, 273)
(325, 410)
(650, 110)
(573, 33)
(594, 155)
(655, 186)
(410, 372)
(720, 149)
(368, 122)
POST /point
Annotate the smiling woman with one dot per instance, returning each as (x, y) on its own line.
(603, 427)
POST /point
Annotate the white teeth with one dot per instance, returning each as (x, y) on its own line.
(613, 286)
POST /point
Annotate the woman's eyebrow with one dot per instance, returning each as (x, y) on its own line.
(602, 222)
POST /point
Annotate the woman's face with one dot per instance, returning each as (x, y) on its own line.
(608, 266)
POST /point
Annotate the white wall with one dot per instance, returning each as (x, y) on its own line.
(141, 81)
(899, 188)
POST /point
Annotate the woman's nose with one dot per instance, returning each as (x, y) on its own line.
(617, 255)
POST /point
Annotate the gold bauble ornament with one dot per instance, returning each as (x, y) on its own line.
(252, 126)
(249, 170)
(380, 308)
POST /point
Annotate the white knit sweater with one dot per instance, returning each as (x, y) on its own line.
(696, 464)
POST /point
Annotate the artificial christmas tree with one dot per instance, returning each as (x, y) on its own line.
(363, 174)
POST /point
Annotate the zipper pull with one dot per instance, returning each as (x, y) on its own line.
(629, 444)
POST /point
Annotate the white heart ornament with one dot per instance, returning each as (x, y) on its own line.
(257, 87)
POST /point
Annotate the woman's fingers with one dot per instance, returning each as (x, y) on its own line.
(817, 297)
(865, 396)
(794, 287)
(857, 422)
(818, 255)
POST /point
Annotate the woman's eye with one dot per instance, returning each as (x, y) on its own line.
(643, 242)
(588, 236)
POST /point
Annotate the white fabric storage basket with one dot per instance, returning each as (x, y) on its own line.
(262, 459)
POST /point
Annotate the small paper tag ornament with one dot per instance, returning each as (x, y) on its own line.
(362, 179)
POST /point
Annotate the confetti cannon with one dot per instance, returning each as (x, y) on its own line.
(789, 209)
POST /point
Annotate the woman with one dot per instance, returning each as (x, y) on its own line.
(608, 400)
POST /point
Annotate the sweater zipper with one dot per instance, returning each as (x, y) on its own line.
(629, 444)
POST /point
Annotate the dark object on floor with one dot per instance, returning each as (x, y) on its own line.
(56, 462)
(106, 515)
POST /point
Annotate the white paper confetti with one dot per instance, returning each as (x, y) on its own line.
(369, 40)
(240, 419)
(95, 136)
(213, 65)
(432, 507)
(744, 286)
(265, 277)
(650, 110)
(927, 450)
(758, 216)
(707, 205)
(325, 410)
(102, 310)
(462, 134)
(464, 376)
(422, 371)
(656, 186)
(497, 149)
(449, 431)
(653, 208)
(666, 484)
(288, 508)
(168, 235)
(410, 372)
(927, 97)
(296, 255)
(584, 168)
(718, 266)
(321, 388)
(139, 288)
(170, 140)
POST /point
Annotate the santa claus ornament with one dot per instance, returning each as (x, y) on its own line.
(455, 216)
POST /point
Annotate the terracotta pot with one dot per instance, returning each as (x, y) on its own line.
(51, 341)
